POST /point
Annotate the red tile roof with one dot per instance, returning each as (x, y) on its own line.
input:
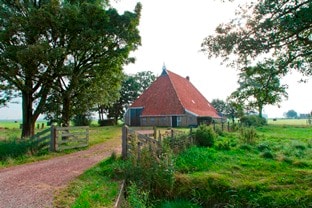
(172, 94)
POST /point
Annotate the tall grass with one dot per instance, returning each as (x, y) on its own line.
(14, 150)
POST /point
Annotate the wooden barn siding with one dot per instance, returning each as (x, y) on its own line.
(186, 120)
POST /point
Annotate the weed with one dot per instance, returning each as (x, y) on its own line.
(205, 136)
(267, 154)
(248, 135)
(136, 197)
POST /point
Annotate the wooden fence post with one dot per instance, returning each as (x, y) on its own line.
(124, 142)
(53, 139)
(155, 132)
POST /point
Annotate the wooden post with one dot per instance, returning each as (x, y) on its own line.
(53, 139)
(87, 135)
(155, 132)
(124, 142)
(139, 151)
(228, 126)
(172, 133)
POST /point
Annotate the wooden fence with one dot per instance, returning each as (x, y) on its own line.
(40, 141)
(60, 138)
(134, 139)
(63, 138)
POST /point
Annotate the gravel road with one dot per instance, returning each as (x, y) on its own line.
(33, 185)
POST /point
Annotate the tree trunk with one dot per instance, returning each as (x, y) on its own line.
(66, 110)
(29, 120)
(260, 108)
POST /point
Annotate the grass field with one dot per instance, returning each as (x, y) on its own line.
(14, 151)
(291, 122)
(274, 170)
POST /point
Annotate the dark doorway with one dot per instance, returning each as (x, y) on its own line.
(135, 116)
(174, 121)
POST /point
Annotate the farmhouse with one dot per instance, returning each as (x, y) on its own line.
(171, 100)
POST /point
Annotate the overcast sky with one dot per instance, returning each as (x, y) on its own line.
(172, 32)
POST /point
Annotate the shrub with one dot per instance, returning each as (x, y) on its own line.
(205, 136)
(267, 154)
(252, 120)
(248, 135)
(82, 119)
(153, 173)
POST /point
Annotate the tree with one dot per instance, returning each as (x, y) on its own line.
(234, 109)
(61, 47)
(132, 87)
(276, 28)
(259, 86)
(291, 114)
(220, 106)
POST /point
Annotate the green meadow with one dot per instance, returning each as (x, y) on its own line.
(271, 169)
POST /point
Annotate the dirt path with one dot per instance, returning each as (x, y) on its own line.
(33, 185)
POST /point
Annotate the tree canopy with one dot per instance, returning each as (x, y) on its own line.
(132, 87)
(66, 48)
(274, 28)
(259, 86)
(291, 114)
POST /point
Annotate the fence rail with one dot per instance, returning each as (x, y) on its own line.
(40, 141)
(134, 139)
(63, 138)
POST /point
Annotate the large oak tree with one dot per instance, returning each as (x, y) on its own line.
(51, 44)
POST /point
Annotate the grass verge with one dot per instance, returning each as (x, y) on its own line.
(95, 188)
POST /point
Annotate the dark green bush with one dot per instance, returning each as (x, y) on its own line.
(267, 154)
(14, 148)
(82, 119)
(252, 120)
(205, 136)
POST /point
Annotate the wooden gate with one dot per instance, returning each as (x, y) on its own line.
(63, 138)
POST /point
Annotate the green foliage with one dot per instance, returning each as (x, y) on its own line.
(205, 136)
(152, 172)
(132, 87)
(14, 149)
(219, 105)
(137, 197)
(179, 142)
(252, 120)
(259, 86)
(277, 29)
(195, 159)
(82, 120)
(94, 188)
(248, 135)
(291, 114)
(43, 59)
(179, 203)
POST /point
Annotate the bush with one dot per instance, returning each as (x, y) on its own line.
(248, 135)
(205, 136)
(253, 121)
(82, 120)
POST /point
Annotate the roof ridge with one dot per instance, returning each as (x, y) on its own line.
(175, 90)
